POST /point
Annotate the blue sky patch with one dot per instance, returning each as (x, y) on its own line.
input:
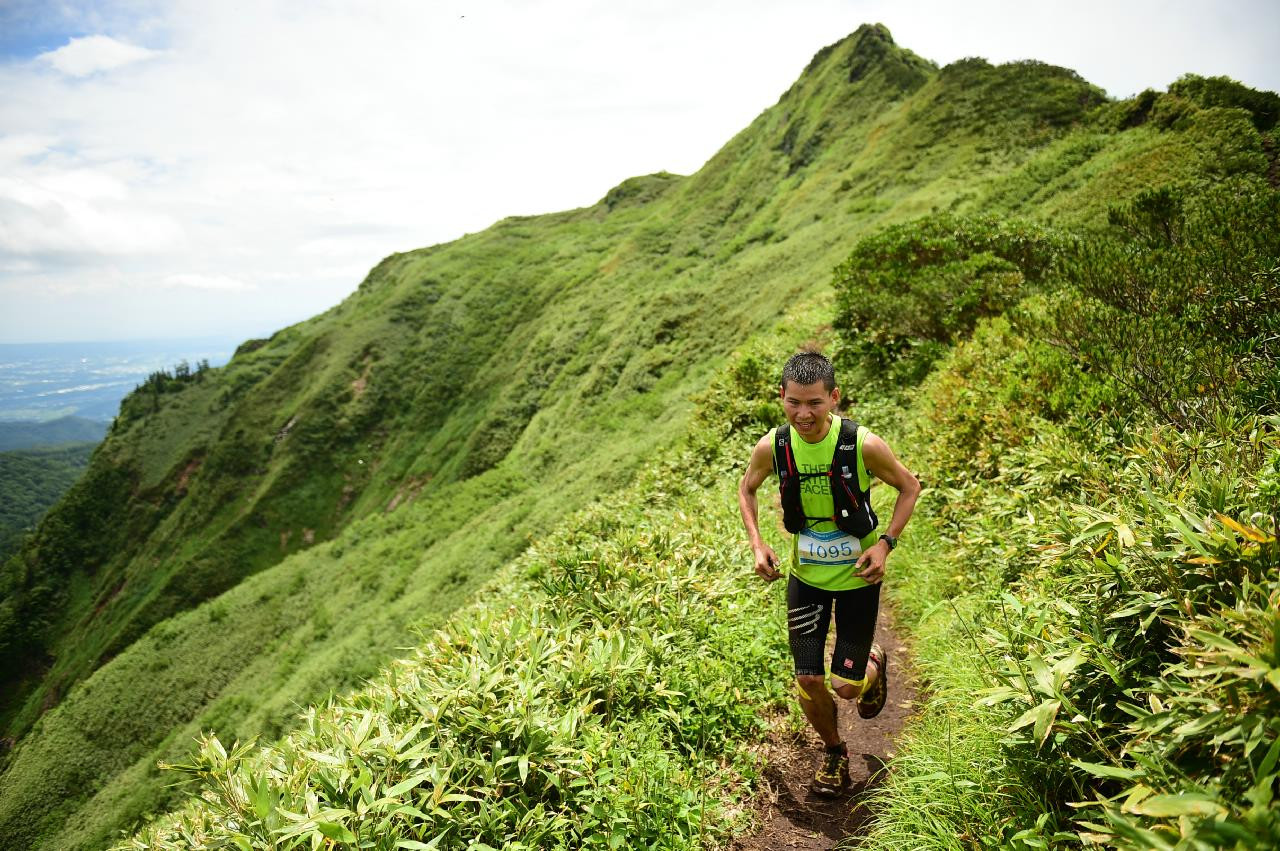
(31, 27)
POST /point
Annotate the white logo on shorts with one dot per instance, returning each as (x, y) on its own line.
(804, 618)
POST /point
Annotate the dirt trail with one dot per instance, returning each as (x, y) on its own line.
(795, 819)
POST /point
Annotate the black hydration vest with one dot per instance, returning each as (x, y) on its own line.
(853, 513)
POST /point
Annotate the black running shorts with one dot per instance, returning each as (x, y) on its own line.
(809, 612)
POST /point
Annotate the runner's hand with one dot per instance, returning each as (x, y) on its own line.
(872, 561)
(767, 563)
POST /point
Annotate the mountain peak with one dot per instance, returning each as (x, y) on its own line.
(868, 49)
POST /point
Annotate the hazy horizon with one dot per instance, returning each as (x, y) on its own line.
(47, 380)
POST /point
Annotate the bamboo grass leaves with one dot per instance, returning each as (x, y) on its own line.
(1165, 695)
(596, 697)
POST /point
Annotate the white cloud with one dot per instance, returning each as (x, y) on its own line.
(81, 57)
(23, 146)
(285, 148)
(207, 282)
(19, 267)
(72, 211)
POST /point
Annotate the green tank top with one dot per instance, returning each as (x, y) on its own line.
(822, 555)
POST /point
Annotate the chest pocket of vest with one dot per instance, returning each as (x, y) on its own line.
(853, 513)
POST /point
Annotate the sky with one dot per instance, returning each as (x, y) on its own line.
(188, 168)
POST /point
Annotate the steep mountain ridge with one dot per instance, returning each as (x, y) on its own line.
(358, 474)
(603, 693)
(229, 470)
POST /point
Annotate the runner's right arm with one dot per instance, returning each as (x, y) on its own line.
(759, 468)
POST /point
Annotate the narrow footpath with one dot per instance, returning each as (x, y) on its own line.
(792, 817)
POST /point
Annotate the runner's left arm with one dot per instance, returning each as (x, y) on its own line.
(886, 467)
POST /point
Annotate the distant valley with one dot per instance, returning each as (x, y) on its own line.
(44, 381)
(57, 401)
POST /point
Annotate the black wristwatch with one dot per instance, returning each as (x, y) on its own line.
(891, 541)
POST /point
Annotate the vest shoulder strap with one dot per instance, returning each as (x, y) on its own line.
(782, 460)
(788, 479)
(852, 436)
(848, 451)
(864, 475)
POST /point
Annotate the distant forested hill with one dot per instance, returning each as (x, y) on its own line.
(254, 537)
(22, 435)
(39, 461)
(31, 480)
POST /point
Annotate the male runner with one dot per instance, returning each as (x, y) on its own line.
(831, 568)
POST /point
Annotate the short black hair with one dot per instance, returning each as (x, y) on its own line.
(808, 367)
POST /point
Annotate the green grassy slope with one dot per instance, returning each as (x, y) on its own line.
(362, 472)
(557, 338)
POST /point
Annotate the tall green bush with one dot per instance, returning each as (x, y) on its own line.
(1180, 304)
(1263, 106)
(906, 293)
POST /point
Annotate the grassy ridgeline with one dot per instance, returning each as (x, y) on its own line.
(294, 514)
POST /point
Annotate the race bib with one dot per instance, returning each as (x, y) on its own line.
(834, 547)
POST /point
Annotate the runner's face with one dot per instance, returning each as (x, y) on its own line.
(808, 407)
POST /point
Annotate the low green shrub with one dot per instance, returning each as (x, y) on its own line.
(1152, 698)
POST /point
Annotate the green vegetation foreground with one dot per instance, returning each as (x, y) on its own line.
(234, 471)
(1095, 601)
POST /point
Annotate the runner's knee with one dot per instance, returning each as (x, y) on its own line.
(847, 690)
(810, 683)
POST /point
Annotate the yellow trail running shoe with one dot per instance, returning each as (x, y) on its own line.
(832, 777)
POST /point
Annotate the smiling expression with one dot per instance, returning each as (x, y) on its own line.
(808, 408)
